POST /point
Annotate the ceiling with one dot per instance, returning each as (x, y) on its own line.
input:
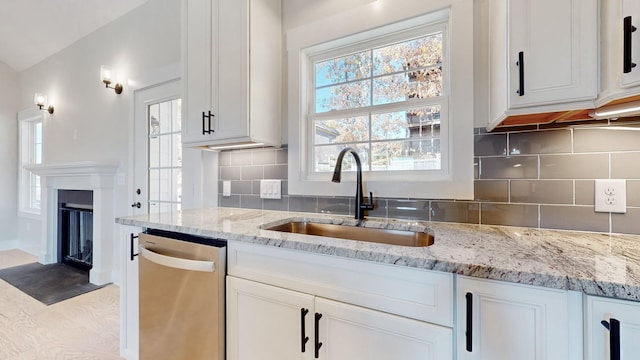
(32, 30)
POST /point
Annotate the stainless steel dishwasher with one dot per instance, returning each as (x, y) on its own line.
(181, 281)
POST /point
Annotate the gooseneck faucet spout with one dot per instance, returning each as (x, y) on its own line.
(360, 206)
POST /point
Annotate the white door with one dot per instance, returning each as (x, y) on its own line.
(267, 323)
(352, 332)
(157, 184)
(613, 329)
(511, 321)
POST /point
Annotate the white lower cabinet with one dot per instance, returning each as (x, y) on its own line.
(129, 292)
(502, 321)
(612, 329)
(284, 304)
(267, 322)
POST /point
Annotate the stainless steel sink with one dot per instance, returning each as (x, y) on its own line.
(383, 236)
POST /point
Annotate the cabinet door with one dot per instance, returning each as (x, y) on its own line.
(200, 69)
(500, 321)
(351, 332)
(129, 291)
(631, 10)
(603, 342)
(265, 322)
(552, 52)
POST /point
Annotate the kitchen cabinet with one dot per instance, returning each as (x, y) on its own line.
(355, 306)
(129, 291)
(612, 329)
(541, 61)
(620, 80)
(498, 320)
(232, 72)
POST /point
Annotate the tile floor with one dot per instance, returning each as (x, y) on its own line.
(84, 327)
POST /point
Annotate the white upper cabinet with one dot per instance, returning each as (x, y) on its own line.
(620, 50)
(232, 74)
(543, 57)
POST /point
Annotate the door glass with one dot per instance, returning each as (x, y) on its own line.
(165, 157)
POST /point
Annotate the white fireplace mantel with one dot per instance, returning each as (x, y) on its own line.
(98, 177)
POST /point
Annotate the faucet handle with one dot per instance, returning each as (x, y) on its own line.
(369, 205)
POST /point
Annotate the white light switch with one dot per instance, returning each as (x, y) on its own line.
(270, 189)
(226, 188)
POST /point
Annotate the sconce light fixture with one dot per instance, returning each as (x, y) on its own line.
(616, 111)
(40, 100)
(107, 75)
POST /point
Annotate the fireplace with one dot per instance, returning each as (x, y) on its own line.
(75, 228)
(97, 179)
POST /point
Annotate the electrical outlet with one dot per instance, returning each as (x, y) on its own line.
(270, 189)
(611, 196)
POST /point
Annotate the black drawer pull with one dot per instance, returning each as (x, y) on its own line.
(206, 123)
(628, 29)
(317, 335)
(303, 337)
(469, 328)
(132, 255)
(520, 64)
(614, 337)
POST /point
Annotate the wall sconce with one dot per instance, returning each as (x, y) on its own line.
(107, 75)
(616, 111)
(41, 100)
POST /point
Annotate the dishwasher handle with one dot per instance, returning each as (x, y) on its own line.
(177, 263)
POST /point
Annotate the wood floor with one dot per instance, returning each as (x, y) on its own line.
(84, 327)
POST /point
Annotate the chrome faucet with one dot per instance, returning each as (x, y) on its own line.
(361, 206)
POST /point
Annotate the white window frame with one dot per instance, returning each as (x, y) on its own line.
(315, 54)
(25, 158)
(372, 21)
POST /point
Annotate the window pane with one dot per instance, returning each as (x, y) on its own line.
(165, 117)
(154, 184)
(165, 185)
(177, 150)
(408, 55)
(418, 154)
(165, 150)
(402, 87)
(154, 151)
(176, 191)
(406, 124)
(345, 96)
(343, 69)
(342, 130)
(176, 116)
(326, 157)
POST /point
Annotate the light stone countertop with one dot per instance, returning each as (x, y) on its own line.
(593, 263)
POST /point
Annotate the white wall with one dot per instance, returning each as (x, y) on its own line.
(8, 156)
(91, 123)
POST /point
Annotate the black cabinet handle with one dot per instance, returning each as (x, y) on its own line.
(303, 337)
(628, 28)
(206, 123)
(318, 344)
(469, 328)
(131, 248)
(520, 64)
(614, 337)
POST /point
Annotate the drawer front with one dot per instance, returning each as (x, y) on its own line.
(415, 293)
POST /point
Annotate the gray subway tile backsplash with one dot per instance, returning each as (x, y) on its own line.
(574, 166)
(540, 142)
(509, 167)
(545, 181)
(542, 191)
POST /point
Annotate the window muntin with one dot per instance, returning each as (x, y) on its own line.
(385, 100)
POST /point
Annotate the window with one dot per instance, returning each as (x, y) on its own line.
(395, 82)
(384, 99)
(30, 154)
(165, 156)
